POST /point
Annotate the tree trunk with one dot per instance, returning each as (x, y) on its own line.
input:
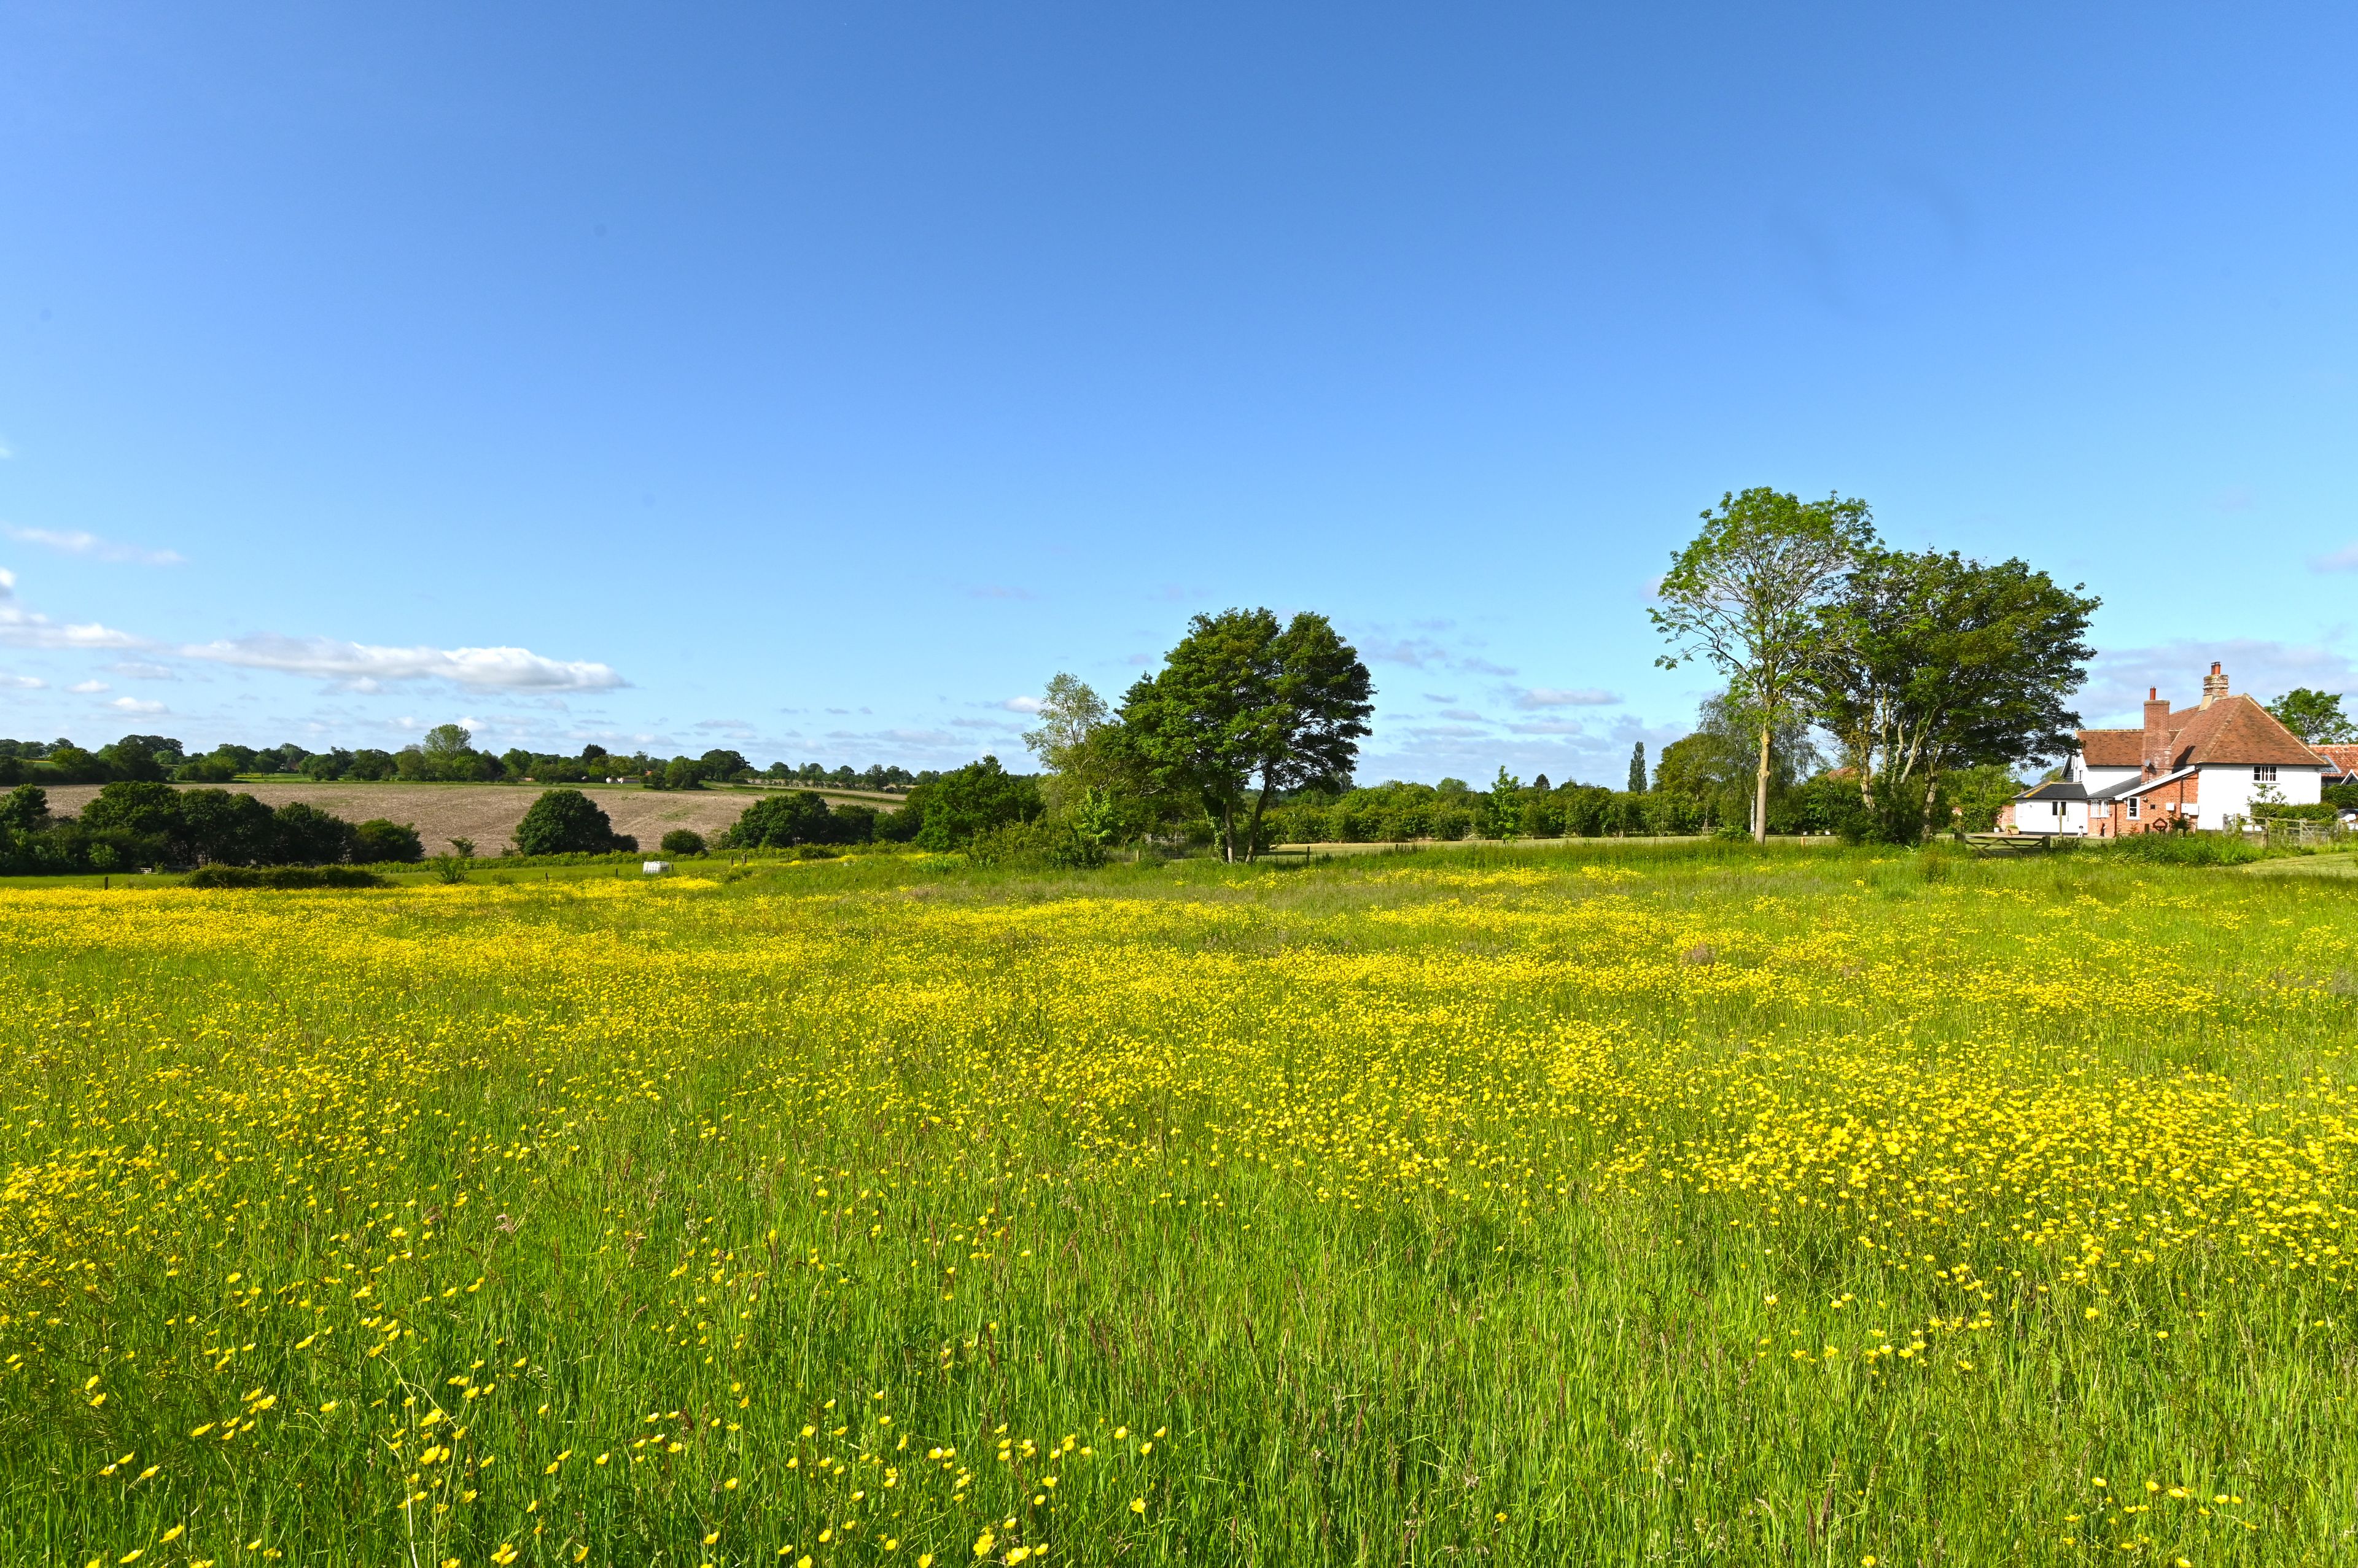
(1252, 833)
(1760, 791)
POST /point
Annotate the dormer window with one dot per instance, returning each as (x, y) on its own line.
(2263, 773)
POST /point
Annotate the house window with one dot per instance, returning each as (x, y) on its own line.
(2263, 773)
(2133, 808)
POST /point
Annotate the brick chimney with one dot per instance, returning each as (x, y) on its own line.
(2214, 684)
(2156, 733)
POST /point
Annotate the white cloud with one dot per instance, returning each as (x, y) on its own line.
(1022, 705)
(22, 628)
(134, 705)
(74, 542)
(1551, 696)
(364, 667)
(89, 687)
(2264, 668)
(139, 670)
(22, 683)
(2342, 560)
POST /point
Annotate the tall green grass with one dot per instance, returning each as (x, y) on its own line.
(1034, 1155)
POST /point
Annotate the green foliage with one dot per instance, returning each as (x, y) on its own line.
(2314, 716)
(1717, 766)
(1397, 813)
(566, 822)
(1976, 795)
(370, 765)
(798, 816)
(1745, 595)
(1931, 663)
(1502, 816)
(284, 878)
(2176, 849)
(1637, 768)
(683, 842)
(378, 841)
(1239, 700)
(959, 807)
(212, 768)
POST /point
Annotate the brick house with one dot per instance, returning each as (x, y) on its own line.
(2204, 763)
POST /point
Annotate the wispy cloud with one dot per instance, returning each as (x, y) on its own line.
(134, 705)
(22, 683)
(2342, 560)
(74, 542)
(2265, 669)
(89, 687)
(1555, 696)
(1022, 705)
(364, 667)
(22, 628)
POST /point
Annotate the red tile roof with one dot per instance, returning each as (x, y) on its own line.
(2343, 758)
(2113, 748)
(2235, 732)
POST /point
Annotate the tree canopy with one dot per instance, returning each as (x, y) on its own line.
(1242, 701)
(2314, 716)
(1930, 662)
(1744, 596)
(566, 822)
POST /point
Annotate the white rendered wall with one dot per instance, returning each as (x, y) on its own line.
(2226, 792)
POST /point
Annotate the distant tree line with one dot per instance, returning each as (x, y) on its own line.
(446, 754)
(134, 822)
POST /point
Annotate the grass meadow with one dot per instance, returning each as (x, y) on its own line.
(1670, 1205)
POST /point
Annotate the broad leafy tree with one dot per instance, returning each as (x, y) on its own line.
(1929, 663)
(1244, 710)
(2314, 716)
(566, 822)
(1745, 595)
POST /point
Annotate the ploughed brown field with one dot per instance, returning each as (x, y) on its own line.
(488, 813)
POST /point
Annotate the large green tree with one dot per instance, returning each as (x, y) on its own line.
(2314, 716)
(566, 822)
(1929, 662)
(1744, 596)
(1244, 709)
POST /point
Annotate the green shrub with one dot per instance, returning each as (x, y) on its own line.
(2178, 849)
(683, 842)
(283, 877)
(378, 841)
(566, 822)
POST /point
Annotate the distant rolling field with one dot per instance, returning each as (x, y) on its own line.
(488, 814)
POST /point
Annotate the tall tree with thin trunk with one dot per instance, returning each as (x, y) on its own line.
(1745, 595)
(1638, 769)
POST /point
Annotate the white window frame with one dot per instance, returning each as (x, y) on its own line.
(2263, 773)
(2133, 808)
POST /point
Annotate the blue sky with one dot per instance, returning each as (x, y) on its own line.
(816, 380)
